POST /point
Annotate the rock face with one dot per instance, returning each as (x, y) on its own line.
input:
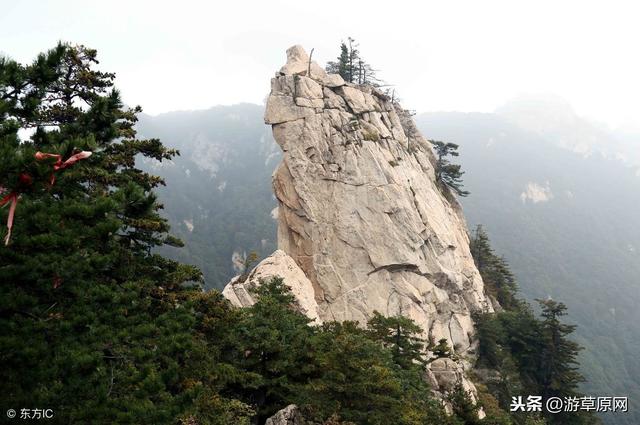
(290, 415)
(359, 208)
(360, 211)
(279, 264)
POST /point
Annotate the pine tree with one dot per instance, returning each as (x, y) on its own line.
(558, 373)
(521, 338)
(271, 346)
(351, 66)
(559, 368)
(498, 279)
(494, 353)
(401, 335)
(93, 323)
(447, 173)
(358, 379)
(481, 249)
(495, 415)
(490, 337)
(529, 355)
(442, 349)
(341, 66)
(463, 406)
(216, 375)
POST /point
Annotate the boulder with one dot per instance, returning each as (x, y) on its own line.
(290, 415)
(299, 63)
(240, 291)
(281, 109)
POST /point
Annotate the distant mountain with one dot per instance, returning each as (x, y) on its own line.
(559, 196)
(553, 118)
(567, 221)
(219, 197)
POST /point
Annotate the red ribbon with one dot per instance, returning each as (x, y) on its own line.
(59, 165)
(12, 200)
(27, 180)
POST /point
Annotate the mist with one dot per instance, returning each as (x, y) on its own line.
(441, 56)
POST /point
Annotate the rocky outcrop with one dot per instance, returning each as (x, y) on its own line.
(359, 208)
(290, 415)
(240, 291)
(360, 212)
(444, 374)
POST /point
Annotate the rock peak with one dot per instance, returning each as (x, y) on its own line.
(299, 63)
(360, 212)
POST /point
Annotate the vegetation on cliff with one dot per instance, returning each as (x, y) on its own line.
(351, 66)
(529, 355)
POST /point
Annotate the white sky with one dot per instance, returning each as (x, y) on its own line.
(441, 55)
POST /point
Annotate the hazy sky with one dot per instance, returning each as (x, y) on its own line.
(441, 55)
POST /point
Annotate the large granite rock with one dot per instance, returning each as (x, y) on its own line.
(360, 211)
(240, 291)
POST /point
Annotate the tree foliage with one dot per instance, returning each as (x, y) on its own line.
(558, 373)
(351, 66)
(447, 173)
(441, 349)
(94, 324)
(463, 406)
(499, 281)
(402, 336)
(531, 355)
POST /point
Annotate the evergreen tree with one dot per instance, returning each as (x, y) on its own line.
(529, 355)
(217, 371)
(400, 335)
(463, 406)
(354, 379)
(499, 281)
(447, 173)
(490, 336)
(351, 67)
(481, 250)
(358, 379)
(442, 349)
(559, 374)
(271, 346)
(494, 353)
(495, 415)
(93, 324)
(341, 66)
(508, 384)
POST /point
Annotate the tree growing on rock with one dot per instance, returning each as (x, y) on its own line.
(447, 173)
(401, 335)
(341, 65)
(351, 66)
(442, 349)
(463, 406)
(498, 279)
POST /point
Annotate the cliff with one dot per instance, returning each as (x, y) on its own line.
(361, 215)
